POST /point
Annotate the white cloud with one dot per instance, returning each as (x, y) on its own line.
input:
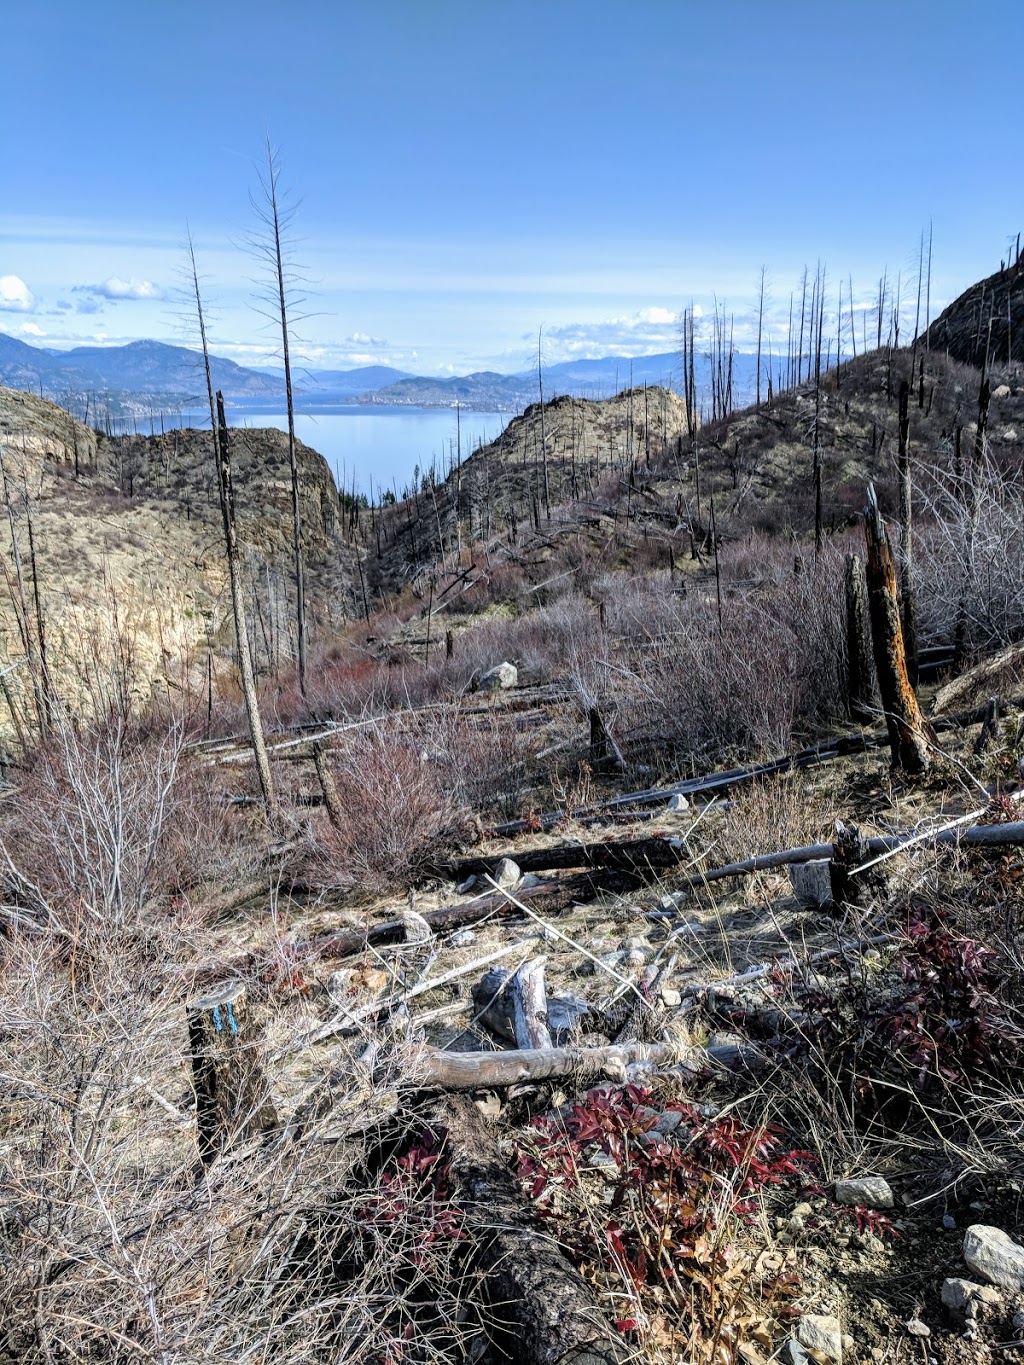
(118, 290)
(15, 295)
(649, 330)
(364, 339)
(30, 329)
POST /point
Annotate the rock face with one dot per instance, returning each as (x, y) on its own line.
(871, 1192)
(129, 547)
(975, 324)
(994, 1256)
(499, 678)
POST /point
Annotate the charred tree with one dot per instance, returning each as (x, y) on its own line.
(908, 739)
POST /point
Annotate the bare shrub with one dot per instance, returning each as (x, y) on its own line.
(970, 558)
(398, 816)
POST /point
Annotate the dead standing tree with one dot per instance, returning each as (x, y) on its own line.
(908, 736)
(908, 600)
(274, 222)
(222, 461)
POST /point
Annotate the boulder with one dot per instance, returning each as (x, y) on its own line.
(994, 1256)
(962, 1296)
(497, 679)
(870, 1192)
(507, 874)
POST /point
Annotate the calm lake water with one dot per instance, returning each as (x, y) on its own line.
(380, 444)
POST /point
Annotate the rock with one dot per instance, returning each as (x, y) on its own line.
(497, 679)
(870, 1192)
(917, 1328)
(668, 1122)
(678, 802)
(823, 1334)
(507, 874)
(966, 1300)
(417, 930)
(464, 888)
(462, 938)
(948, 1222)
(997, 1258)
(794, 1354)
(812, 883)
(670, 997)
(1009, 435)
(1003, 391)
(529, 880)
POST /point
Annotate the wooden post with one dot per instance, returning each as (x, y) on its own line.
(232, 1096)
(908, 736)
(860, 684)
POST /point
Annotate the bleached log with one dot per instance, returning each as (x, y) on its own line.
(432, 1069)
(530, 1005)
(976, 677)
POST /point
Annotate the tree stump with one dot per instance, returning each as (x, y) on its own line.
(232, 1096)
(908, 733)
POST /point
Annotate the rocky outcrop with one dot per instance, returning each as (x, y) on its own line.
(987, 320)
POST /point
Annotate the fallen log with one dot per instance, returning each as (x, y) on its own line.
(980, 674)
(645, 857)
(550, 897)
(432, 1069)
(540, 1310)
(823, 752)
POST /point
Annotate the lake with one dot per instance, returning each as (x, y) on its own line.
(381, 444)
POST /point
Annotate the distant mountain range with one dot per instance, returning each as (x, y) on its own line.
(147, 377)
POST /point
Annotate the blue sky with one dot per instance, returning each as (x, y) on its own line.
(466, 173)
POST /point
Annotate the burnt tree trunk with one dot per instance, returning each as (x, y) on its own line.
(908, 737)
(860, 683)
(541, 1310)
(908, 602)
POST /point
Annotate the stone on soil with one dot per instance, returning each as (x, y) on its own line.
(821, 1333)
(497, 679)
(997, 1258)
(507, 874)
(870, 1192)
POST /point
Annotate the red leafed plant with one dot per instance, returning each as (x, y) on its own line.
(947, 1022)
(666, 1213)
(415, 1194)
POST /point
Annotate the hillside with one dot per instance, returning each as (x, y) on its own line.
(128, 546)
(986, 321)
